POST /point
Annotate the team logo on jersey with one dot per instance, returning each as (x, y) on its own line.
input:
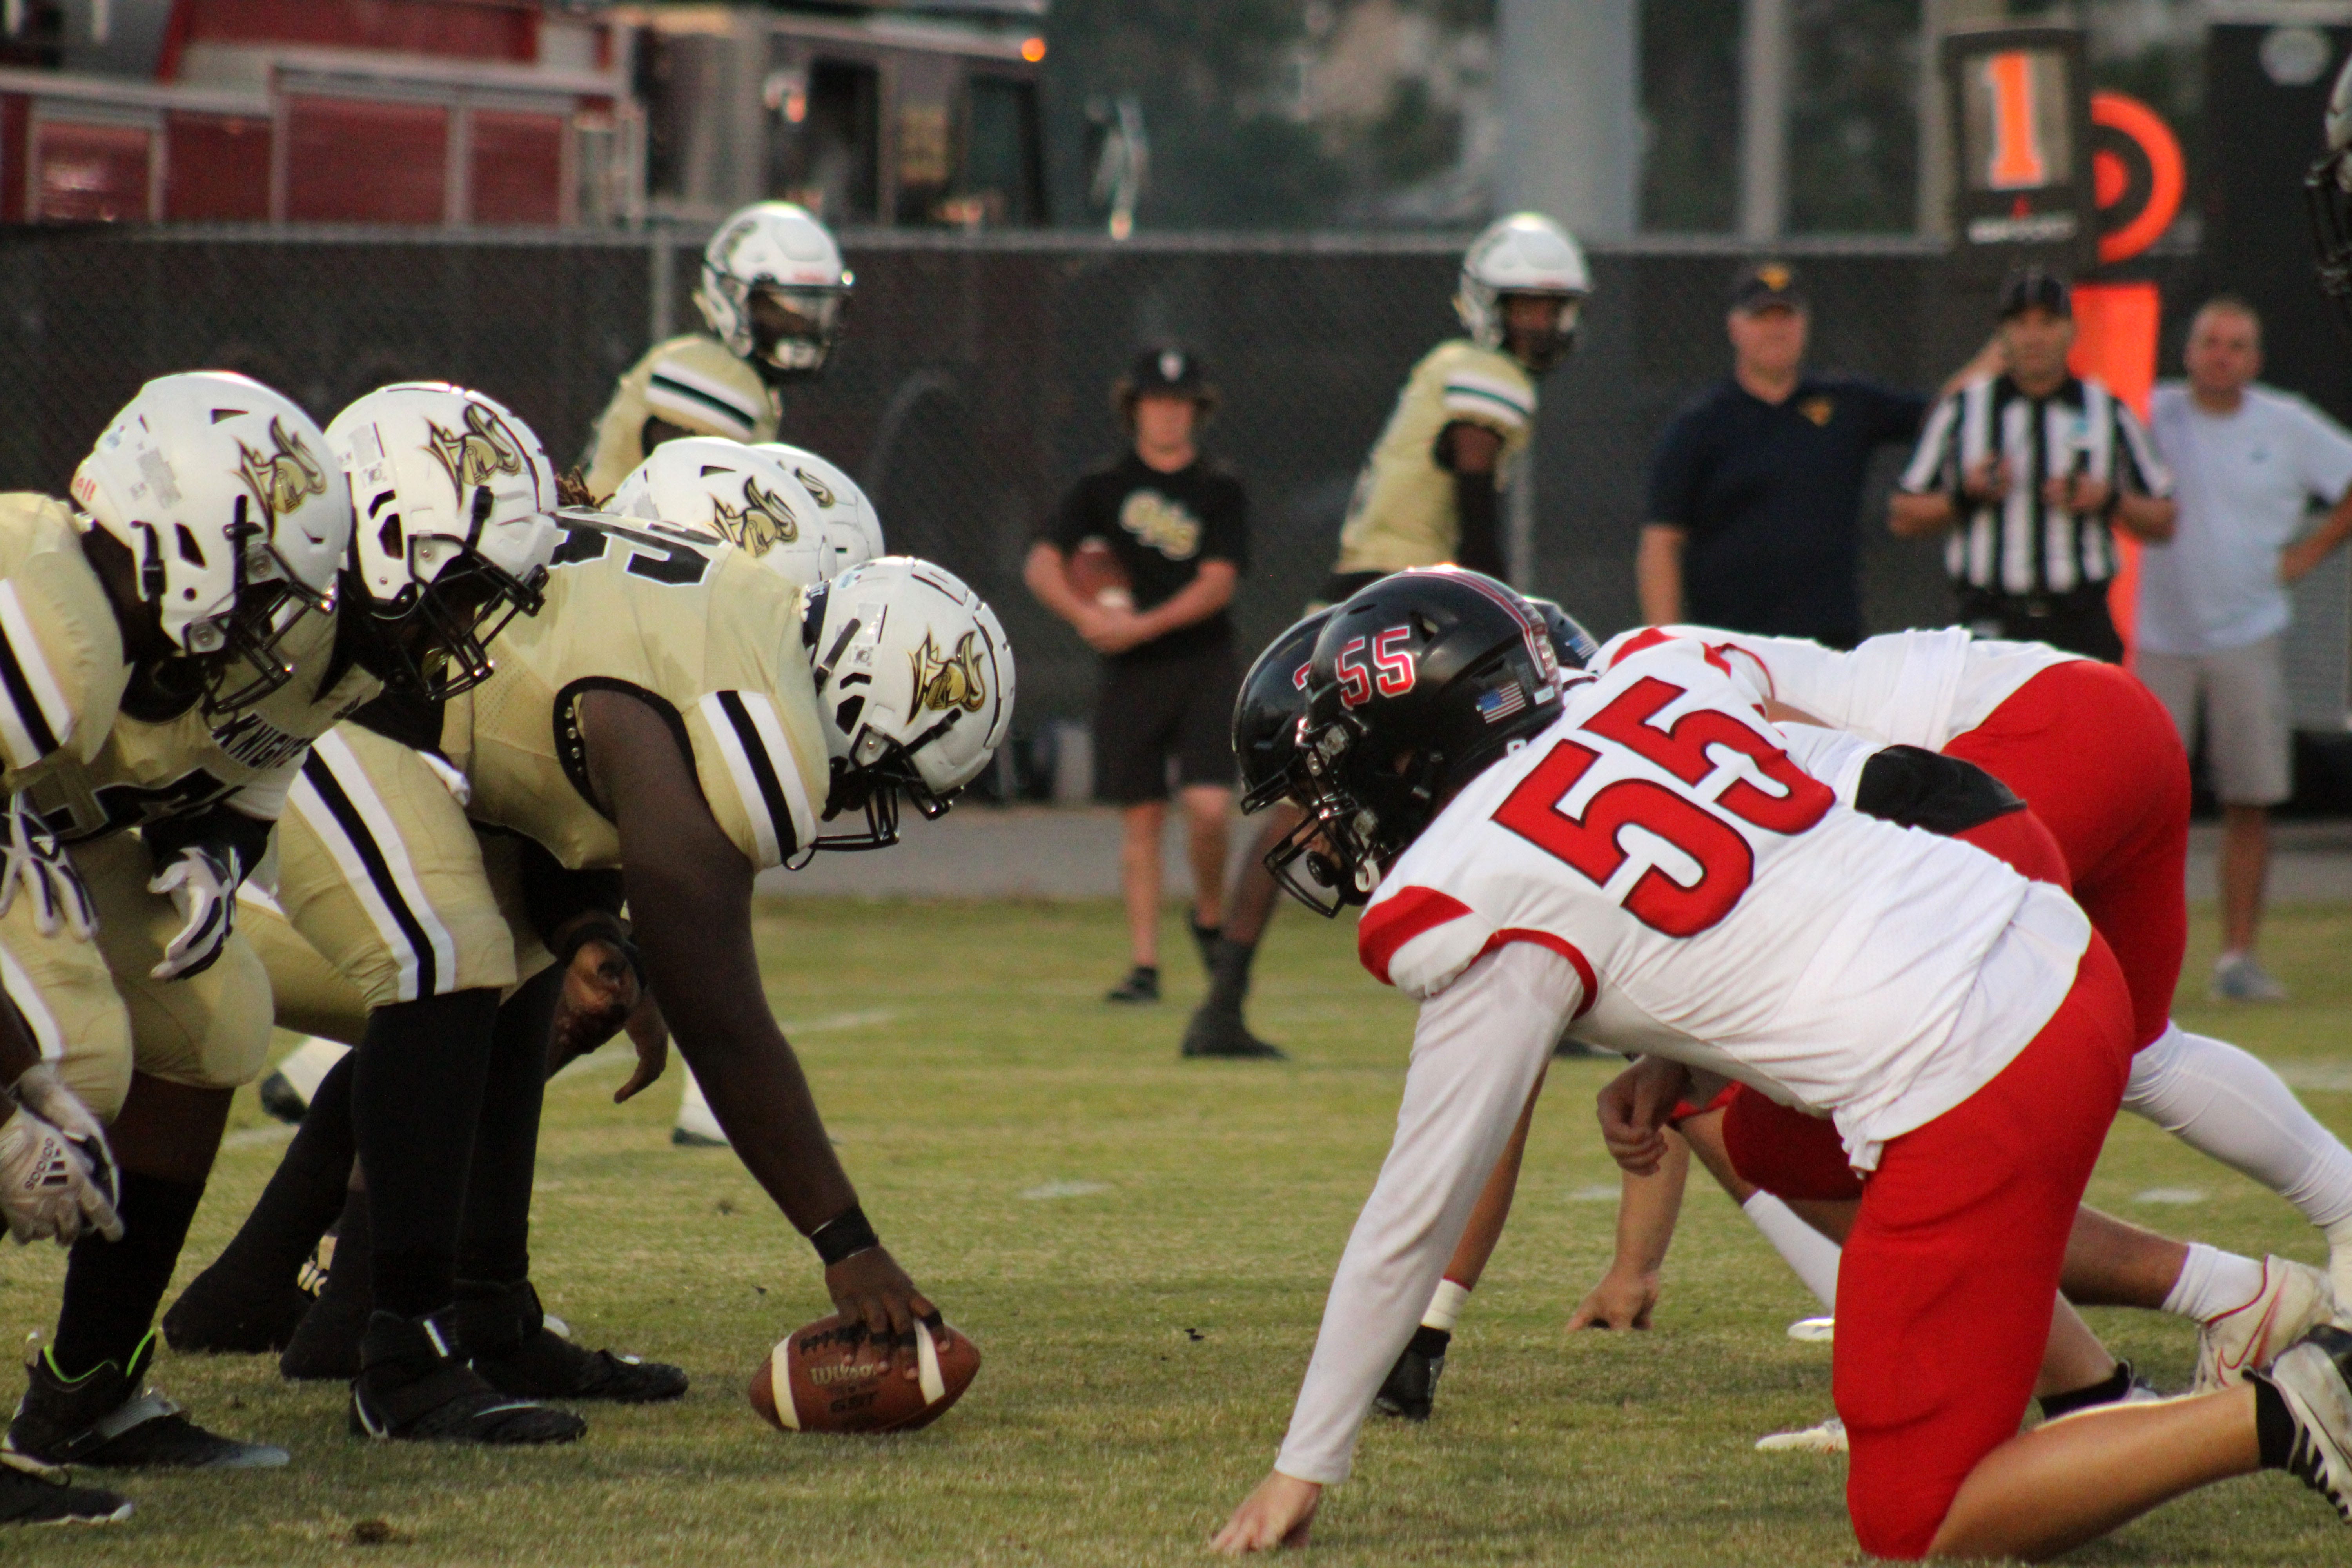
(281, 479)
(474, 455)
(763, 521)
(1817, 409)
(819, 492)
(952, 680)
(1162, 524)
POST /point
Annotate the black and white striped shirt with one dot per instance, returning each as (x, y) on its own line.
(2018, 544)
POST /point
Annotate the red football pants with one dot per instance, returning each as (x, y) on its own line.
(1945, 1290)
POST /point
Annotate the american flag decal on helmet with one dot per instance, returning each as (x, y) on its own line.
(1502, 702)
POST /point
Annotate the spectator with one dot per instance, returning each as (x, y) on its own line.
(1756, 488)
(1179, 525)
(2212, 609)
(2028, 467)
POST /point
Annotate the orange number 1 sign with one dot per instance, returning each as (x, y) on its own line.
(2017, 163)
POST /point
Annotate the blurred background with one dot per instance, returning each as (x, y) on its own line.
(332, 193)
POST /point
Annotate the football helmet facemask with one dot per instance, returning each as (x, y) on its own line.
(2327, 192)
(914, 687)
(224, 494)
(725, 491)
(773, 289)
(1526, 254)
(454, 500)
(846, 521)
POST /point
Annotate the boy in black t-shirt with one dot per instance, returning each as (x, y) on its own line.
(1179, 525)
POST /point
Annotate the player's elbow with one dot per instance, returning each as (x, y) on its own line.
(2155, 522)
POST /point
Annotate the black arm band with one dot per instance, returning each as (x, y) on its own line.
(846, 1234)
(227, 834)
(1928, 790)
(1479, 508)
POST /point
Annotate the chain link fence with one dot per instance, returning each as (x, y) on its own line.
(971, 382)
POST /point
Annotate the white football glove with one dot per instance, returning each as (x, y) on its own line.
(57, 1177)
(203, 889)
(33, 862)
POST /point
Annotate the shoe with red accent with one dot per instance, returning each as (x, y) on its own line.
(2294, 1299)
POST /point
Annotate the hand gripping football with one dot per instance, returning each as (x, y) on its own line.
(832, 1377)
(1095, 573)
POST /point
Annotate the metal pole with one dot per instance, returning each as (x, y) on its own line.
(1568, 80)
(1767, 58)
(661, 277)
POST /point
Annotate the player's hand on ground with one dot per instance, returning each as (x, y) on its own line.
(1277, 1514)
(870, 1285)
(650, 1035)
(1621, 1300)
(1633, 1108)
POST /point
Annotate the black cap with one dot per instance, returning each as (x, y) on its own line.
(2035, 289)
(1169, 370)
(1766, 284)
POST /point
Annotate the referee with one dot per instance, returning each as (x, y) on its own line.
(2026, 470)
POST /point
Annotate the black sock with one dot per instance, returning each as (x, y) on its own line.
(2274, 1424)
(1229, 972)
(305, 1193)
(2106, 1391)
(351, 1276)
(415, 1092)
(494, 1243)
(113, 1288)
(1431, 1343)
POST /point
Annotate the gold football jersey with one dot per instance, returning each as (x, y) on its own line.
(1402, 513)
(61, 668)
(707, 636)
(691, 382)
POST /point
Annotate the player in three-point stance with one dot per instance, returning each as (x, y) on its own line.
(1964, 1028)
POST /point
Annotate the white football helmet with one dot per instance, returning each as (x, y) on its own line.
(454, 500)
(725, 491)
(914, 684)
(851, 527)
(2327, 194)
(1525, 253)
(774, 288)
(223, 492)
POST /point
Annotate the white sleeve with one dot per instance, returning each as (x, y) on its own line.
(1477, 1050)
(1836, 757)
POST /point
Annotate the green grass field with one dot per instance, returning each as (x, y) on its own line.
(1140, 1245)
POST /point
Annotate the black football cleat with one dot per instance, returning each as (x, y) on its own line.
(33, 1493)
(104, 1419)
(503, 1330)
(1141, 985)
(325, 1345)
(225, 1311)
(1218, 1031)
(1410, 1389)
(281, 1099)
(414, 1386)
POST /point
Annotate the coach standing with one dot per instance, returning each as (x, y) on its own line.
(1179, 525)
(1756, 489)
(2213, 608)
(2027, 469)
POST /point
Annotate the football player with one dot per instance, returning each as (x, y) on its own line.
(166, 663)
(1965, 1026)
(774, 289)
(1430, 492)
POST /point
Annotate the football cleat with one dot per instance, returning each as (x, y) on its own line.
(281, 1099)
(33, 1493)
(1828, 1438)
(226, 1312)
(1141, 985)
(1218, 1031)
(104, 1418)
(325, 1345)
(1410, 1389)
(2294, 1299)
(414, 1386)
(2313, 1377)
(1813, 1330)
(508, 1336)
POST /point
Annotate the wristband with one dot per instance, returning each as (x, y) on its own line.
(595, 925)
(844, 1235)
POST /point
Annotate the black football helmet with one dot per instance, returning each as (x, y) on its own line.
(1418, 682)
(1575, 647)
(1266, 715)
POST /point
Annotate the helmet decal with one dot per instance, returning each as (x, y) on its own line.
(763, 521)
(472, 457)
(280, 480)
(819, 492)
(953, 681)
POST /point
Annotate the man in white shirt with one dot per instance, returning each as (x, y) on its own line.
(2248, 462)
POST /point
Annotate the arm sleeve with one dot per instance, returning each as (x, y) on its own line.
(1476, 1053)
(2323, 456)
(1935, 461)
(1674, 476)
(1479, 508)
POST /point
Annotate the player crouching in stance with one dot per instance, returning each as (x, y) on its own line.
(1965, 1027)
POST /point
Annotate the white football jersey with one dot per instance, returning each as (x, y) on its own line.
(1907, 688)
(1723, 909)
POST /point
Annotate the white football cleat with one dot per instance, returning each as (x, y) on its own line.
(2310, 1376)
(1829, 1438)
(1813, 1330)
(697, 1126)
(2294, 1299)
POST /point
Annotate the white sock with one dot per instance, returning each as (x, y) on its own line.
(1813, 1255)
(1445, 1307)
(311, 1062)
(2214, 1282)
(2224, 1102)
(694, 1111)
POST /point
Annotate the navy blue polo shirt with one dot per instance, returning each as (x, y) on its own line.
(1769, 495)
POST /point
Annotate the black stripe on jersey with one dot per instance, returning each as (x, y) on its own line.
(355, 833)
(27, 706)
(571, 747)
(764, 768)
(733, 410)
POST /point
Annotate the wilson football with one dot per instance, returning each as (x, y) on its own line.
(832, 1377)
(1095, 574)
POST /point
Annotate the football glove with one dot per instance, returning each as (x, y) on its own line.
(57, 1177)
(203, 887)
(34, 863)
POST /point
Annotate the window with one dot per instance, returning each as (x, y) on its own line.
(363, 161)
(90, 174)
(1002, 180)
(824, 141)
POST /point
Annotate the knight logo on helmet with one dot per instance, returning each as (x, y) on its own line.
(474, 455)
(763, 521)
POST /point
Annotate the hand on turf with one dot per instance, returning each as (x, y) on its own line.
(870, 1285)
(651, 1036)
(1277, 1514)
(1634, 1107)
(1620, 1301)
